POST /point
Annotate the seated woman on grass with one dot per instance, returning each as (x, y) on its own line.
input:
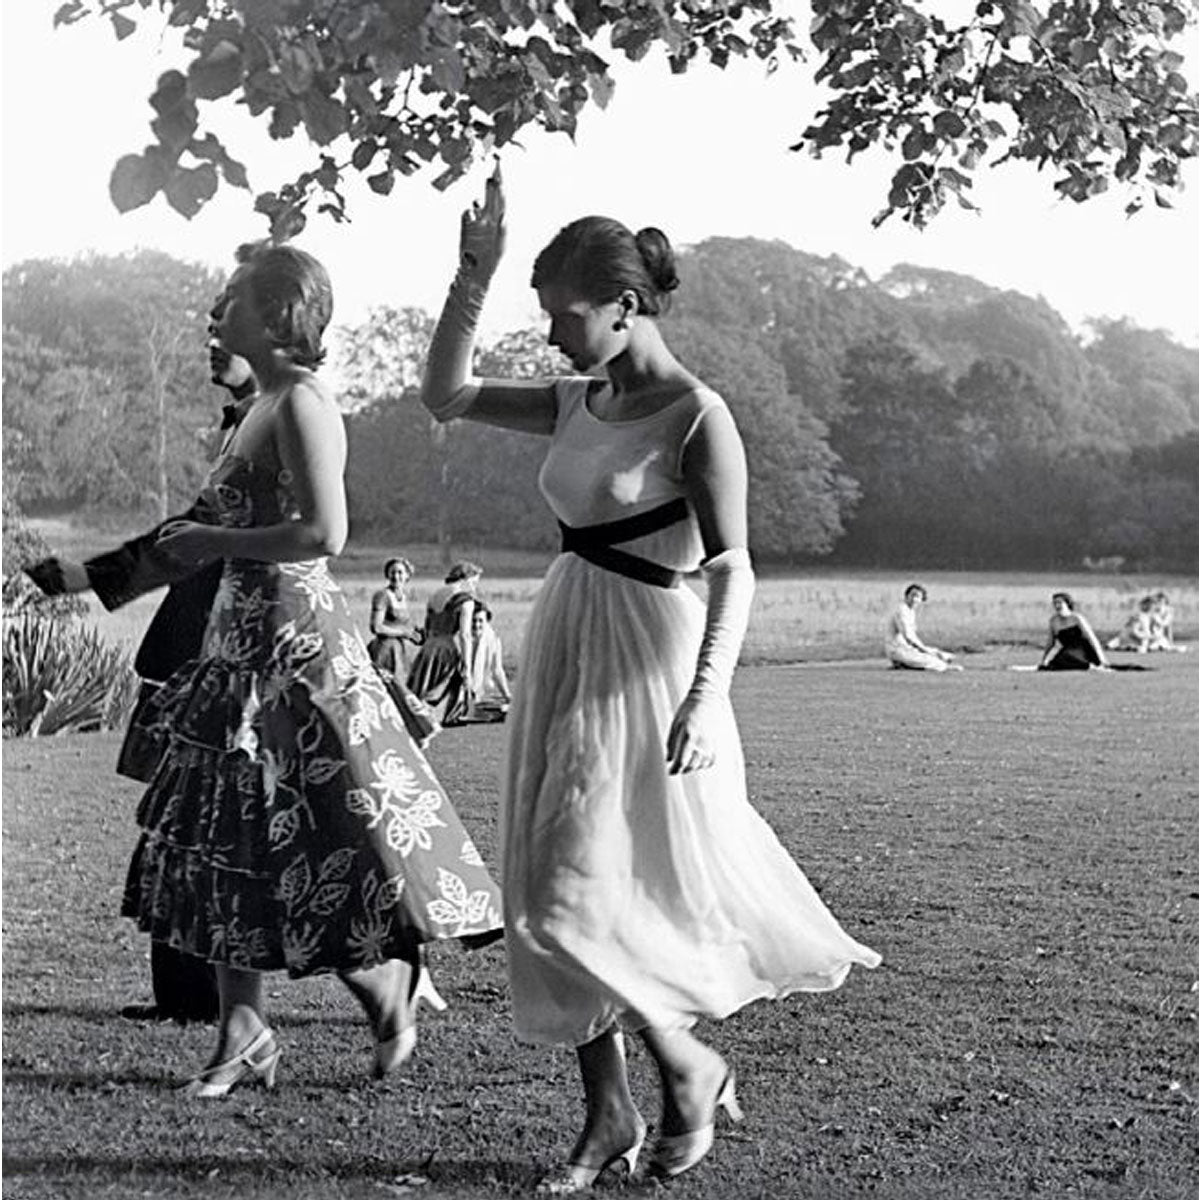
(1072, 645)
(1137, 631)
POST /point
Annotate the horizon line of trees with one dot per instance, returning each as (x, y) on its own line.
(925, 419)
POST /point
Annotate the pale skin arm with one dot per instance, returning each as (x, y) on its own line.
(1093, 640)
(916, 643)
(311, 444)
(527, 406)
(715, 477)
(381, 624)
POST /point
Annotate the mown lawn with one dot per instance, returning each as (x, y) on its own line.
(1021, 849)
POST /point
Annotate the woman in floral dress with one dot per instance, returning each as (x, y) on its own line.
(292, 823)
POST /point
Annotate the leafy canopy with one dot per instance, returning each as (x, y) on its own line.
(1088, 88)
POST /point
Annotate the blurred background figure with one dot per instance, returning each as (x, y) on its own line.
(489, 683)
(903, 646)
(394, 636)
(440, 674)
(1162, 620)
(184, 986)
(1136, 633)
(1149, 628)
(1072, 644)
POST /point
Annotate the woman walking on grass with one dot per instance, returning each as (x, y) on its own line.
(292, 824)
(642, 890)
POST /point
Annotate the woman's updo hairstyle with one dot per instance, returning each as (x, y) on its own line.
(600, 258)
(294, 298)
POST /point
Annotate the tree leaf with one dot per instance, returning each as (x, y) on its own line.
(187, 190)
(135, 180)
(69, 13)
(949, 124)
(122, 25)
(215, 73)
(296, 68)
(324, 118)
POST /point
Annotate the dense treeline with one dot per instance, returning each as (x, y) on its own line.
(925, 419)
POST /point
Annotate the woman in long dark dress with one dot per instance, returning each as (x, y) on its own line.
(441, 674)
(292, 824)
(1072, 644)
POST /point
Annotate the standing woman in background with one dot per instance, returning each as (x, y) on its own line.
(642, 890)
(291, 823)
(441, 674)
(392, 632)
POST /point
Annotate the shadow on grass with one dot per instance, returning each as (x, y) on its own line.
(235, 1172)
(107, 1016)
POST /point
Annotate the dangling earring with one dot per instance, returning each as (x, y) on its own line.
(620, 324)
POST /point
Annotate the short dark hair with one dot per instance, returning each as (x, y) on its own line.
(294, 297)
(1065, 597)
(396, 562)
(916, 587)
(600, 258)
(463, 570)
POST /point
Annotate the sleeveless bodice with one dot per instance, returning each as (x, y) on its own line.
(600, 471)
(240, 493)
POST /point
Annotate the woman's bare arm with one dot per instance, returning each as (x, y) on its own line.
(448, 389)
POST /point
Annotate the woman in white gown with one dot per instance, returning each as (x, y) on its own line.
(642, 891)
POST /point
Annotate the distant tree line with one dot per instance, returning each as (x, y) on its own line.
(926, 419)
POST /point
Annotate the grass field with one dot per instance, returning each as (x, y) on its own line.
(1021, 849)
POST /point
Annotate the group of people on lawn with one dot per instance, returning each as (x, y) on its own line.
(1071, 642)
(453, 662)
(291, 820)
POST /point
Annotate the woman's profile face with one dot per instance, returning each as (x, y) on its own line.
(1061, 607)
(236, 321)
(581, 330)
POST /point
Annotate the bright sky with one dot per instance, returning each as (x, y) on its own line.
(699, 155)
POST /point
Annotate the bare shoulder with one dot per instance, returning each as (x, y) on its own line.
(308, 396)
(308, 405)
(709, 416)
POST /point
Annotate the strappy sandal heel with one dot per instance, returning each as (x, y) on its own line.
(579, 1177)
(674, 1155)
(260, 1057)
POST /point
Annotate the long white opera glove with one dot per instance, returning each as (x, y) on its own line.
(448, 390)
(730, 579)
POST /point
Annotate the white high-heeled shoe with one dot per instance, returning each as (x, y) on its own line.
(251, 1057)
(674, 1155)
(393, 1052)
(579, 1177)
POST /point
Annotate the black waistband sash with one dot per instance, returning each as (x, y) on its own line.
(595, 543)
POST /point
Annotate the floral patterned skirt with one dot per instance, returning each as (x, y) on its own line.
(291, 822)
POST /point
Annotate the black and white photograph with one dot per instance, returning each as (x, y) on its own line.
(600, 598)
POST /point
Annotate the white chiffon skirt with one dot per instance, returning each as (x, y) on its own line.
(634, 897)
